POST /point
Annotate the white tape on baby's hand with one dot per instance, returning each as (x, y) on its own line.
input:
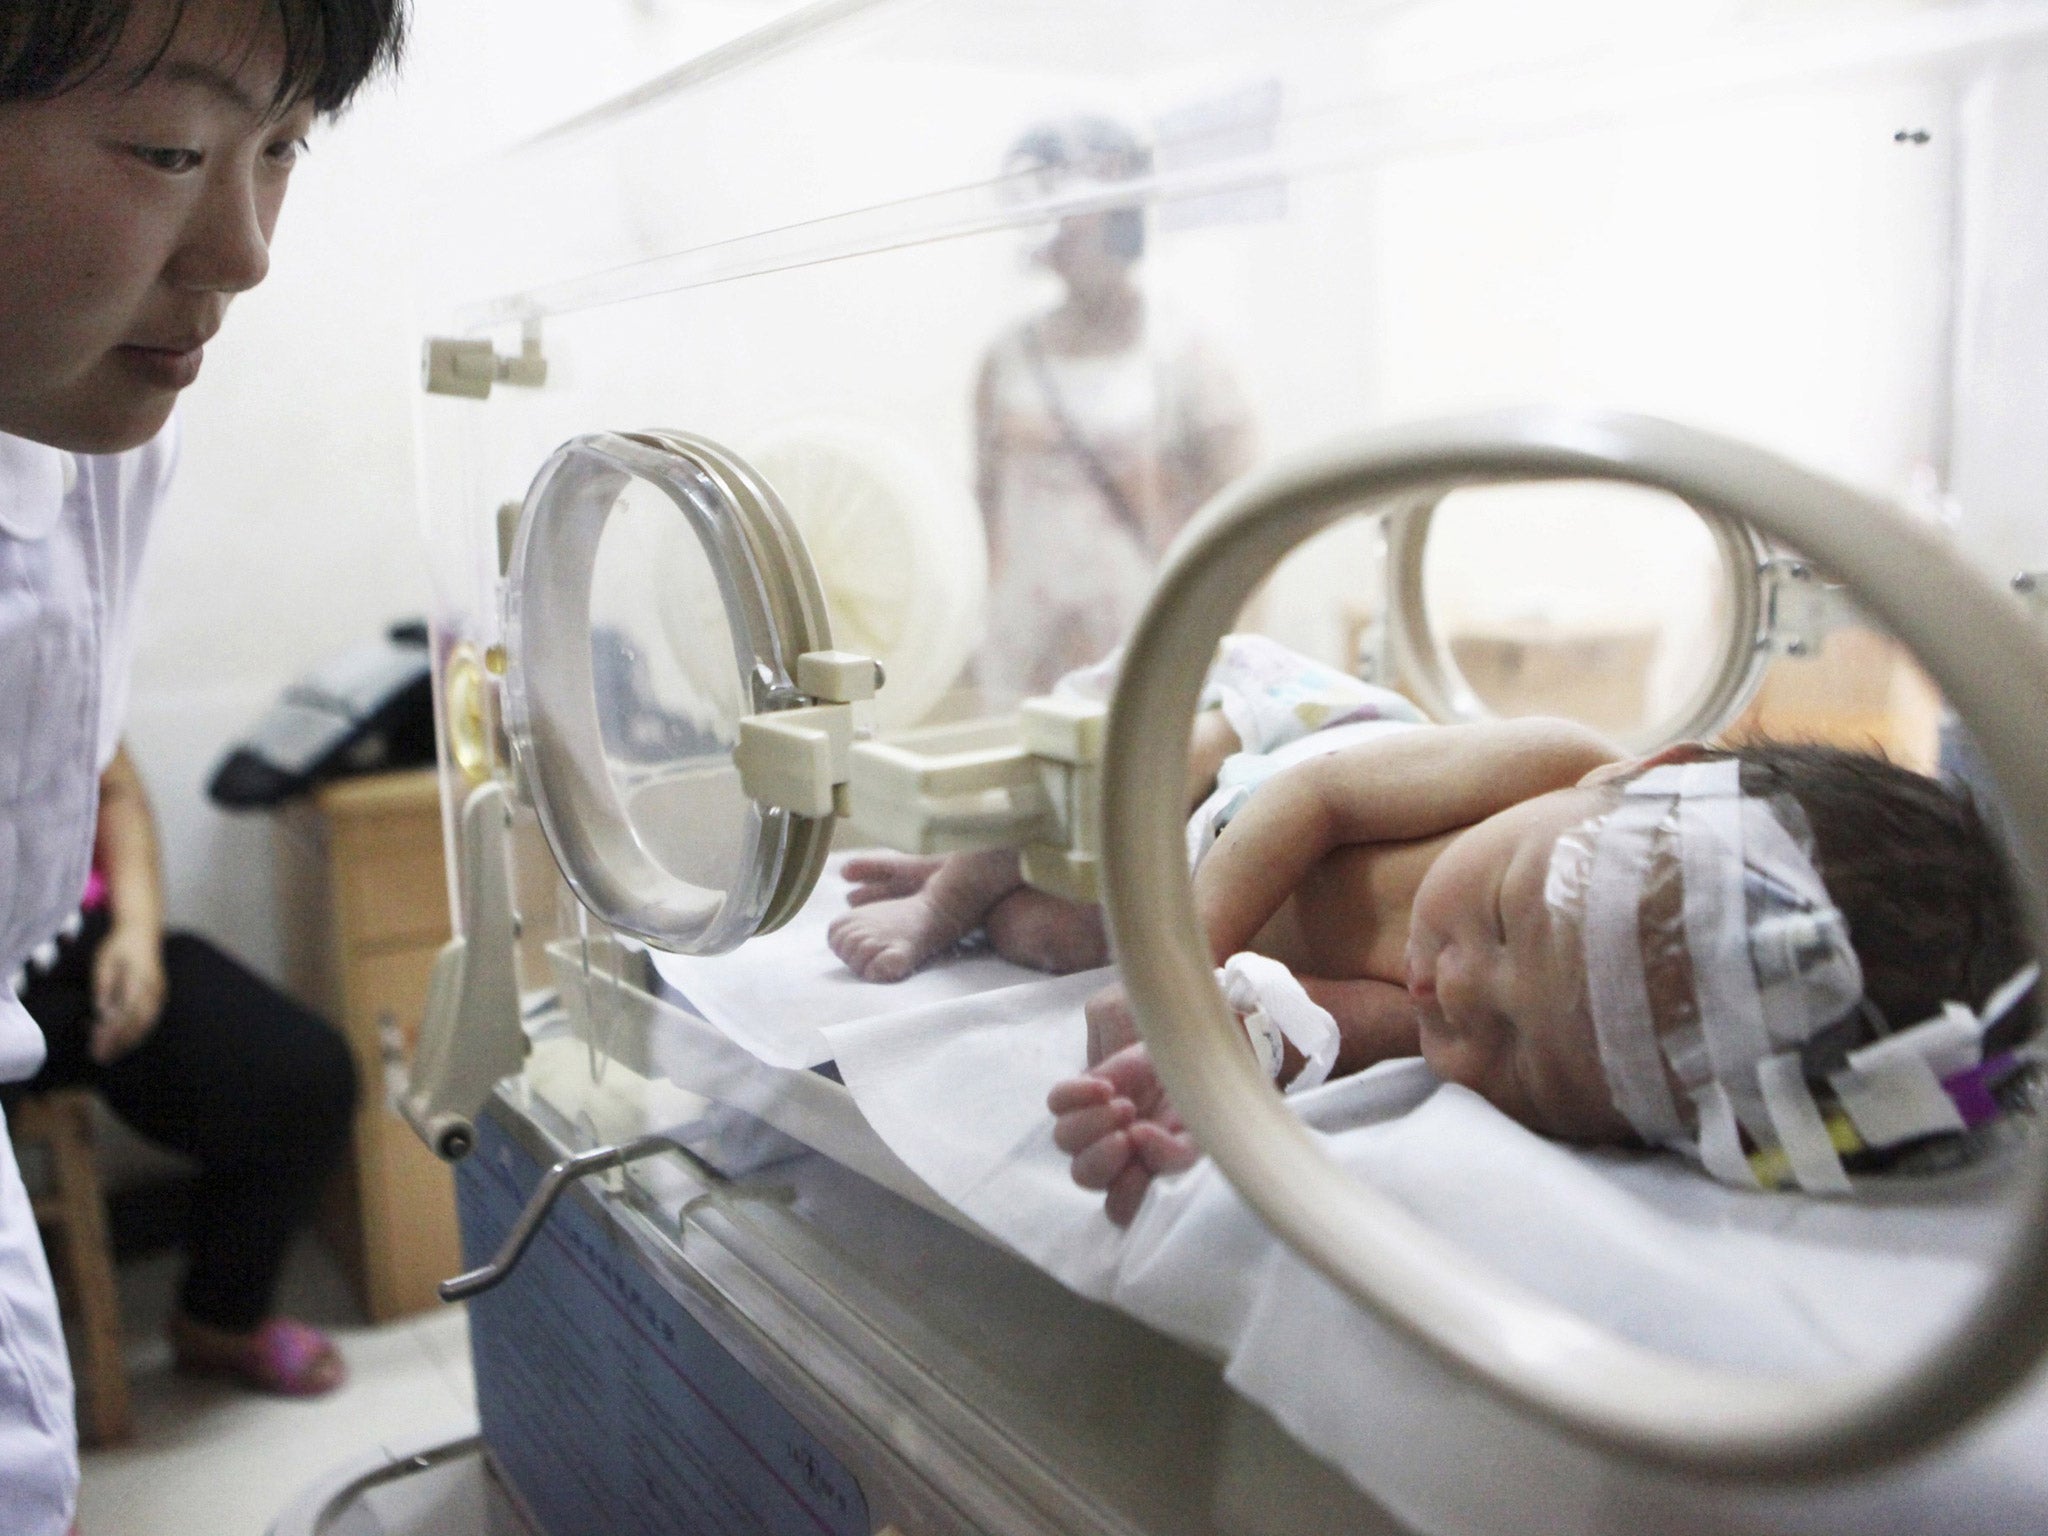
(1267, 1044)
(1273, 1005)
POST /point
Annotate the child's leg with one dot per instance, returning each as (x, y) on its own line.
(885, 940)
(1035, 928)
(1042, 931)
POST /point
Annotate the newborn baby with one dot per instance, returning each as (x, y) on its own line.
(1727, 954)
(1401, 880)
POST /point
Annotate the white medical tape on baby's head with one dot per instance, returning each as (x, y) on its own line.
(1617, 987)
(1797, 1122)
(1766, 954)
(1717, 934)
(1264, 994)
(1720, 1140)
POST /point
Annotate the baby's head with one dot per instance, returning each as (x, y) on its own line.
(1562, 960)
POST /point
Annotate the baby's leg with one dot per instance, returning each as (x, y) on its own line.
(885, 940)
(1035, 928)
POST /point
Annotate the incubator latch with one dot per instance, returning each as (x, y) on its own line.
(1035, 790)
(1064, 737)
(467, 367)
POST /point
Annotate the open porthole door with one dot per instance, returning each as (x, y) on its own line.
(658, 596)
(1618, 605)
(1556, 1367)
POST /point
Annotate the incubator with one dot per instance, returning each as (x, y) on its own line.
(790, 424)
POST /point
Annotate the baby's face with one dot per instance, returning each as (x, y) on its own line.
(1499, 990)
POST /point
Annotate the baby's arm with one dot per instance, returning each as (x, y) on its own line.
(1392, 790)
(1116, 1122)
(1375, 1023)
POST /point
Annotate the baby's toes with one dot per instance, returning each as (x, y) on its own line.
(881, 875)
(889, 962)
(846, 937)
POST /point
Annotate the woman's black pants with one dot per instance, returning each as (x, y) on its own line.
(235, 1075)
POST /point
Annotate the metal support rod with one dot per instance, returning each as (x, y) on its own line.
(558, 1178)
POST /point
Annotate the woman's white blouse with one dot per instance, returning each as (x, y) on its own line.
(72, 532)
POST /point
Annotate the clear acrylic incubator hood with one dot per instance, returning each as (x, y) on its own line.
(790, 424)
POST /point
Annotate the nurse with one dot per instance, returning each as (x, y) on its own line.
(145, 146)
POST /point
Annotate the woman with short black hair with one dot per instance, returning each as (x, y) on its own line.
(145, 147)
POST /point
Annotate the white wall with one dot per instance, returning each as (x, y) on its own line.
(293, 531)
(2001, 450)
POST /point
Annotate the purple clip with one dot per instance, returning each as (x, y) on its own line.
(1971, 1089)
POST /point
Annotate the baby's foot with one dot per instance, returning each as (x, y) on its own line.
(887, 940)
(886, 876)
(1035, 928)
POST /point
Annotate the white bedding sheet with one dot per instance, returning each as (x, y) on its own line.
(951, 1069)
(778, 993)
(1639, 1242)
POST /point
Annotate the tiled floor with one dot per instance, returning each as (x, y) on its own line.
(209, 1460)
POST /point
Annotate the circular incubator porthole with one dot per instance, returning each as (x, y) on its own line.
(657, 593)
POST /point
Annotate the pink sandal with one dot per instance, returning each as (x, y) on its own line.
(283, 1356)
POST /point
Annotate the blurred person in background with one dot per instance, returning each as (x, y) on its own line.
(1100, 425)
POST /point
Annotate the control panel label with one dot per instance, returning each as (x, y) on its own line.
(607, 1406)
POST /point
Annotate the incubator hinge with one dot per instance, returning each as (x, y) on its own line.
(798, 759)
(470, 1036)
(1800, 609)
(468, 367)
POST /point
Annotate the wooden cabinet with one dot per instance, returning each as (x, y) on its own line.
(364, 901)
(1862, 690)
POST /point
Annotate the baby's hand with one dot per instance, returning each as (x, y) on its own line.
(1118, 1126)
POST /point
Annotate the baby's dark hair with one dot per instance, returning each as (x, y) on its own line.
(1915, 870)
(331, 47)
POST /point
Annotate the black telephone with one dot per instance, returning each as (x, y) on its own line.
(368, 709)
